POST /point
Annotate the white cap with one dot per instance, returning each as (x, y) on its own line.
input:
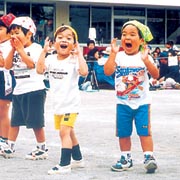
(25, 22)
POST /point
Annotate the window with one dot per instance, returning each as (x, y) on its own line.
(1, 8)
(156, 23)
(129, 11)
(124, 14)
(79, 19)
(173, 26)
(101, 21)
(42, 14)
(84, 17)
(18, 9)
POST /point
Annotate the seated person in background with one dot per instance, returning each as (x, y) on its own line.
(92, 50)
(91, 57)
(99, 68)
(171, 46)
(96, 63)
(169, 73)
(104, 56)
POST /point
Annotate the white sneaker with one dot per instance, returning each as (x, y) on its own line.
(8, 153)
(37, 154)
(3, 146)
(77, 164)
(60, 169)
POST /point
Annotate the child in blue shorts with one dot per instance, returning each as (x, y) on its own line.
(132, 67)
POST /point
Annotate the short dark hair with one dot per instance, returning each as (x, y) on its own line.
(90, 42)
(24, 30)
(171, 43)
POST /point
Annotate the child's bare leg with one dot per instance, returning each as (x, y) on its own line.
(40, 135)
(125, 144)
(146, 143)
(65, 136)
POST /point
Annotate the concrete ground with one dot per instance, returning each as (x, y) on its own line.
(95, 129)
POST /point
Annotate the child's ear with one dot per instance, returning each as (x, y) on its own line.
(142, 41)
(29, 34)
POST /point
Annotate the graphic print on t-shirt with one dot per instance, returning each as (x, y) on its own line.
(129, 82)
(20, 68)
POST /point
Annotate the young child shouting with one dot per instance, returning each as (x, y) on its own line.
(64, 69)
(131, 67)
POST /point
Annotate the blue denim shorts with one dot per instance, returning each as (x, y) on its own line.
(126, 116)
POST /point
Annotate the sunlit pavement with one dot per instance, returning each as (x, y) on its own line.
(95, 130)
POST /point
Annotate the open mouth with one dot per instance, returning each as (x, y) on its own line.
(128, 45)
(63, 46)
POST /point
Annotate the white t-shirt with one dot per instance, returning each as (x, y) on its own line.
(27, 80)
(63, 78)
(131, 80)
(5, 48)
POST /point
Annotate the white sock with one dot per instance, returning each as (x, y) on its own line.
(126, 154)
(42, 145)
(148, 153)
(11, 144)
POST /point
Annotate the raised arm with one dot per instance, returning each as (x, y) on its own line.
(83, 68)
(40, 67)
(152, 69)
(110, 65)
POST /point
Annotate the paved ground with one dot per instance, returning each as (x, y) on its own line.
(96, 131)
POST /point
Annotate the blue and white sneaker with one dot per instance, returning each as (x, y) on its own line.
(150, 164)
(122, 165)
(8, 153)
(2, 145)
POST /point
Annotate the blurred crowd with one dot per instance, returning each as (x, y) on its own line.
(168, 62)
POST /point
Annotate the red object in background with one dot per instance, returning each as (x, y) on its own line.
(86, 49)
(100, 48)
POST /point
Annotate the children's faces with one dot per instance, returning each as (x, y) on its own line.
(64, 42)
(91, 46)
(130, 40)
(18, 35)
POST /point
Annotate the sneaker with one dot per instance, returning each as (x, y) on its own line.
(1, 152)
(122, 165)
(176, 86)
(8, 153)
(150, 164)
(3, 144)
(77, 164)
(37, 154)
(60, 169)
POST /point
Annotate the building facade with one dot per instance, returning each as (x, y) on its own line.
(104, 17)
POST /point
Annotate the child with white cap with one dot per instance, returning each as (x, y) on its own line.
(29, 93)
